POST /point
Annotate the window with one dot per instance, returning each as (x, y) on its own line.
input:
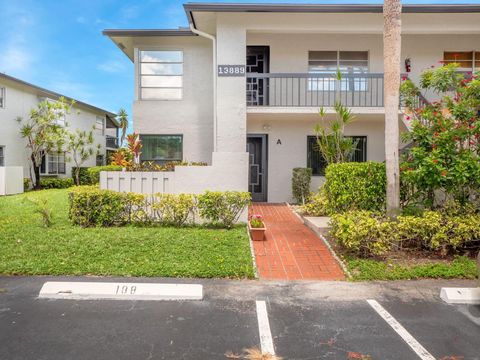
(53, 164)
(161, 75)
(2, 97)
(469, 60)
(2, 156)
(100, 124)
(317, 163)
(162, 148)
(99, 160)
(329, 62)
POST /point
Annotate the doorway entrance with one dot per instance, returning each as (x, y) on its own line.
(257, 166)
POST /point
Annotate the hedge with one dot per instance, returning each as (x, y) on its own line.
(366, 233)
(84, 176)
(56, 183)
(94, 172)
(355, 186)
(91, 206)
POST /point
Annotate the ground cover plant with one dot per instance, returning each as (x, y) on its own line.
(66, 249)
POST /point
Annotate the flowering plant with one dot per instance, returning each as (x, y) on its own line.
(443, 160)
(256, 221)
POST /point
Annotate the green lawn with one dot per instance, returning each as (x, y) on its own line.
(370, 269)
(26, 247)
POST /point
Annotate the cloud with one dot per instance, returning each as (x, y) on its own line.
(112, 66)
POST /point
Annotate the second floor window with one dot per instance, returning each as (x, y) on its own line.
(2, 156)
(161, 75)
(316, 161)
(467, 60)
(329, 62)
(100, 124)
(53, 164)
(2, 97)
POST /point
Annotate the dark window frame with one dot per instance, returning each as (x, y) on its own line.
(311, 143)
(45, 167)
(162, 161)
(2, 155)
(3, 92)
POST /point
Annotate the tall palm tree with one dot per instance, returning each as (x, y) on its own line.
(392, 26)
(122, 117)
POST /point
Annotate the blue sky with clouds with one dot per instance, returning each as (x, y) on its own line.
(58, 44)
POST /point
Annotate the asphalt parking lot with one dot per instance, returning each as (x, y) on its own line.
(307, 321)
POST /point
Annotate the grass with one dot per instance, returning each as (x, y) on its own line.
(27, 247)
(370, 269)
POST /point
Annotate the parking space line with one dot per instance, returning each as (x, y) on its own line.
(400, 330)
(266, 341)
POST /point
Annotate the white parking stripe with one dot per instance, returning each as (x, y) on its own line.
(266, 342)
(404, 334)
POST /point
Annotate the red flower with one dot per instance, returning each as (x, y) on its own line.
(435, 161)
(444, 173)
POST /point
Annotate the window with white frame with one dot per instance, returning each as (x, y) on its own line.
(3, 91)
(2, 155)
(330, 62)
(467, 60)
(100, 124)
(53, 164)
(161, 74)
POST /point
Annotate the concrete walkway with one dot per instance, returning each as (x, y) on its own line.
(291, 251)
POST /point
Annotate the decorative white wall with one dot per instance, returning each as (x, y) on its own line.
(11, 180)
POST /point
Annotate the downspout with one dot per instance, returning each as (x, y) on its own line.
(214, 70)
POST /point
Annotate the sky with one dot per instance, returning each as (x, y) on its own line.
(58, 44)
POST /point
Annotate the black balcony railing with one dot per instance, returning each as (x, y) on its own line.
(310, 89)
(111, 142)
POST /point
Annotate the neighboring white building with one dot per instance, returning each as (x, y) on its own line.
(18, 97)
(245, 83)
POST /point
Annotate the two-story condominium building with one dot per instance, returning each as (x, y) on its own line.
(242, 87)
(18, 98)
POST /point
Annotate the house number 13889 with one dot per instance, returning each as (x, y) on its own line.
(126, 290)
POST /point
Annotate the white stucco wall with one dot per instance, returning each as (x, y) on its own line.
(292, 131)
(19, 101)
(192, 116)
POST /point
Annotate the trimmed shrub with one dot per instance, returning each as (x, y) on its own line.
(317, 204)
(223, 208)
(90, 206)
(301, 178)
(84, 176)
(172, 209)
(56, 183)
(94, 172)
(355, 186)
(365, 233)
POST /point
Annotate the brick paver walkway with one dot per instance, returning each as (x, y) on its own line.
(291, 250)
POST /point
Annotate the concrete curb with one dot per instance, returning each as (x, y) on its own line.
(252, 253)
(85, 290)
(470, 296)
(312, 227)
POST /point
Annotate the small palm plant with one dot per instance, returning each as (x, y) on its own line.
(42, 208)
(122, 117)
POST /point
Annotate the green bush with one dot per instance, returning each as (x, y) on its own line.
(84, 176)
(355, 186)
(94, 172)
(223, 208)
(174, 209)
(317, 204)
(365, 233)
(301, 178)
(27, 184)
(90, 206)
(56, 183)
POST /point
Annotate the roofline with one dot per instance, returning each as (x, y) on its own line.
(148, 32)
(324, 8)
(55, 95)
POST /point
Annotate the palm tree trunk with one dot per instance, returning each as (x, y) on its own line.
(392, 10)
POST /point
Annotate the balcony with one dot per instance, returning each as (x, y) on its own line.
(314, 90)
(111, 142)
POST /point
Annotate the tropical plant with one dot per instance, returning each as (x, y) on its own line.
(121, 157)
(392, 11)
(80, 147)
(44, 132)
(443, 161)
(134, 145)
(333, 145)
(122, 118)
